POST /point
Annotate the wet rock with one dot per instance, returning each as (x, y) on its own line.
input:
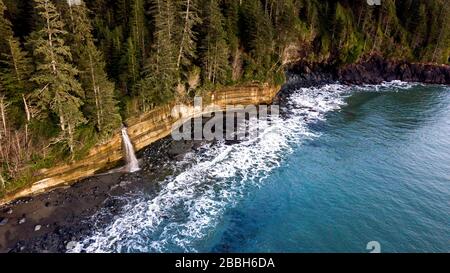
(376, 69)
(124, 183)
(179, 147)
(8, 211)
(3, 221)
(71, 245)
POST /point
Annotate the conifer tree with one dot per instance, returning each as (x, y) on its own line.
(15, 65)
(214, 47)
(17, 69)
(100, 103)
(187, 40)
(160, 73)
(58, 89)
(258, 31)
(441, 46)
(131, 60)
(420, 27)
(134, 53)
(121, 12)
(138, 32)
(166, 52)
(5, 28)
(5, 51)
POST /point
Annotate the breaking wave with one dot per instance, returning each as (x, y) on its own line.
(190, 205)
(392, 86)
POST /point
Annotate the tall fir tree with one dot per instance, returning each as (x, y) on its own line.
(257, 34)
(15, 69)
(231, 26)
(5, 28)
(160, 73)
(100, 103)
(130, 61)
(138, 29)
(187, 38)
(134, 54)
(214, 47)
(58, 88)
(164, 12)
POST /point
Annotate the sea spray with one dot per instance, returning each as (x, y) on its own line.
(192, 203)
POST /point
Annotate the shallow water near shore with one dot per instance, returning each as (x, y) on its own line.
(342, 166)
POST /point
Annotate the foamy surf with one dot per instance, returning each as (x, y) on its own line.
(392, 86)
(191, 204)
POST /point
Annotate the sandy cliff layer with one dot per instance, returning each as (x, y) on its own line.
(143, 131)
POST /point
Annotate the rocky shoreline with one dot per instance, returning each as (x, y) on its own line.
(373, 70)
(52, 221)
(143, 130)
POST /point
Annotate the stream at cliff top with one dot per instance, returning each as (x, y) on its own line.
(341, 166)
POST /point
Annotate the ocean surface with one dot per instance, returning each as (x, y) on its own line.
(341, 167)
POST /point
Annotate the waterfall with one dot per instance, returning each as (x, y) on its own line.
(132, 162)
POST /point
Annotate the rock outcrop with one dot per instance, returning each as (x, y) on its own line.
(373, 70)
(143, 131)
(376, 70)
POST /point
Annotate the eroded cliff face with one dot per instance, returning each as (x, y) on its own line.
(143, 131)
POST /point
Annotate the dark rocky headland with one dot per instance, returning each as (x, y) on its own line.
(372, 70)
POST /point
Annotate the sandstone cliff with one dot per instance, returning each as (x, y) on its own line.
(143, 131)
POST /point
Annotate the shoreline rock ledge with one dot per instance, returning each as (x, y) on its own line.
(376, 70)
(143, 131)
(373, 70)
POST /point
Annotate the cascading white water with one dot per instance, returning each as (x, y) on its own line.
(191, 203)
(132, 162)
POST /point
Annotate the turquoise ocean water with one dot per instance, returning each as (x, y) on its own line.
(343, 166)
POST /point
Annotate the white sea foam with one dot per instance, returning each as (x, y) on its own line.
(392, 86)
(190, 205)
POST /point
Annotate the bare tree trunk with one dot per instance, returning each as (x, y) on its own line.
(28, 114)
(2, 182)
(3, 113)
(96, 93)
(71, 142)
(50, 39)
(237, 66)
(185, 32)
(19, 150)
(62, 121)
